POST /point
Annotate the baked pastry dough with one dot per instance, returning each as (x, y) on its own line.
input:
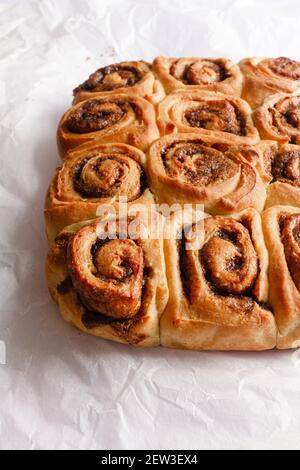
(196, 73)
(203, 146)
(225, 117)
(187, 169)
(94, 178)
(282, 228)
(114, 288)
(217, 275)
(108, 118)
(135, 77)
(264, 77)
(278, 118)
(283, 165)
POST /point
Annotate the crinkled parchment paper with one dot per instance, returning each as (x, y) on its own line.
(59, 388)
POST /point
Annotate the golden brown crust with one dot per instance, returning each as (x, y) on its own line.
(108, 118)
(185, 168)
(135, 78)
(278, 118)
(111, 288)
(95, 178)
(225, 117)
(218, 286)
(264, 77)
(201, 147)
(196, 73)
(284, 167)
(281, 226)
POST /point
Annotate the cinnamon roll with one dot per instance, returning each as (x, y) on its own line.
(91, 179)
(225, 117)
(265, 76)
(135, 77)
(112, 118)
(283, 166)
(185, 168)
(278, 118)
(282, 234)
(198, 73)
(217, 274)
(111, 287)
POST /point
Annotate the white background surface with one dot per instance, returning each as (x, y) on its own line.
(61, 389)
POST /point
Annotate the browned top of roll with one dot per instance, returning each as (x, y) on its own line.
(114, 76)
(281, 66)
(95, 115)
(199, 71)
(217, 115)
(290, 235)
(286, 167)
(228, 258)
(107, 274)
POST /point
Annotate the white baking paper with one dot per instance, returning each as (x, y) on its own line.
(61, 389)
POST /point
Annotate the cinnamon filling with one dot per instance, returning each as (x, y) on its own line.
(284, 67)
(199, 72)
(96, 115)
(217, 116)
(60, 248)
(62, 241)
(197, 164)
(296, 233)
(110, 78)
(229, 263)
(92, 319)
(226, 235)
(286, 167)
(285, 116)
(290, 236)
(115, 260)
(184, 267)
(65, 286)
(107, 274)
(108, 176)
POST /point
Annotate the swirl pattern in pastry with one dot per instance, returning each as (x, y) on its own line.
(107, 285)
(282, 234)
(92, 178)
(108, 118)
(187, 169)
(226, 275)
(196, 73)
(224, 117)
(279, 118)
(264, 77)
(134, 77)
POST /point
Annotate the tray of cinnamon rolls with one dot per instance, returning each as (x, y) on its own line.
(174, 217)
